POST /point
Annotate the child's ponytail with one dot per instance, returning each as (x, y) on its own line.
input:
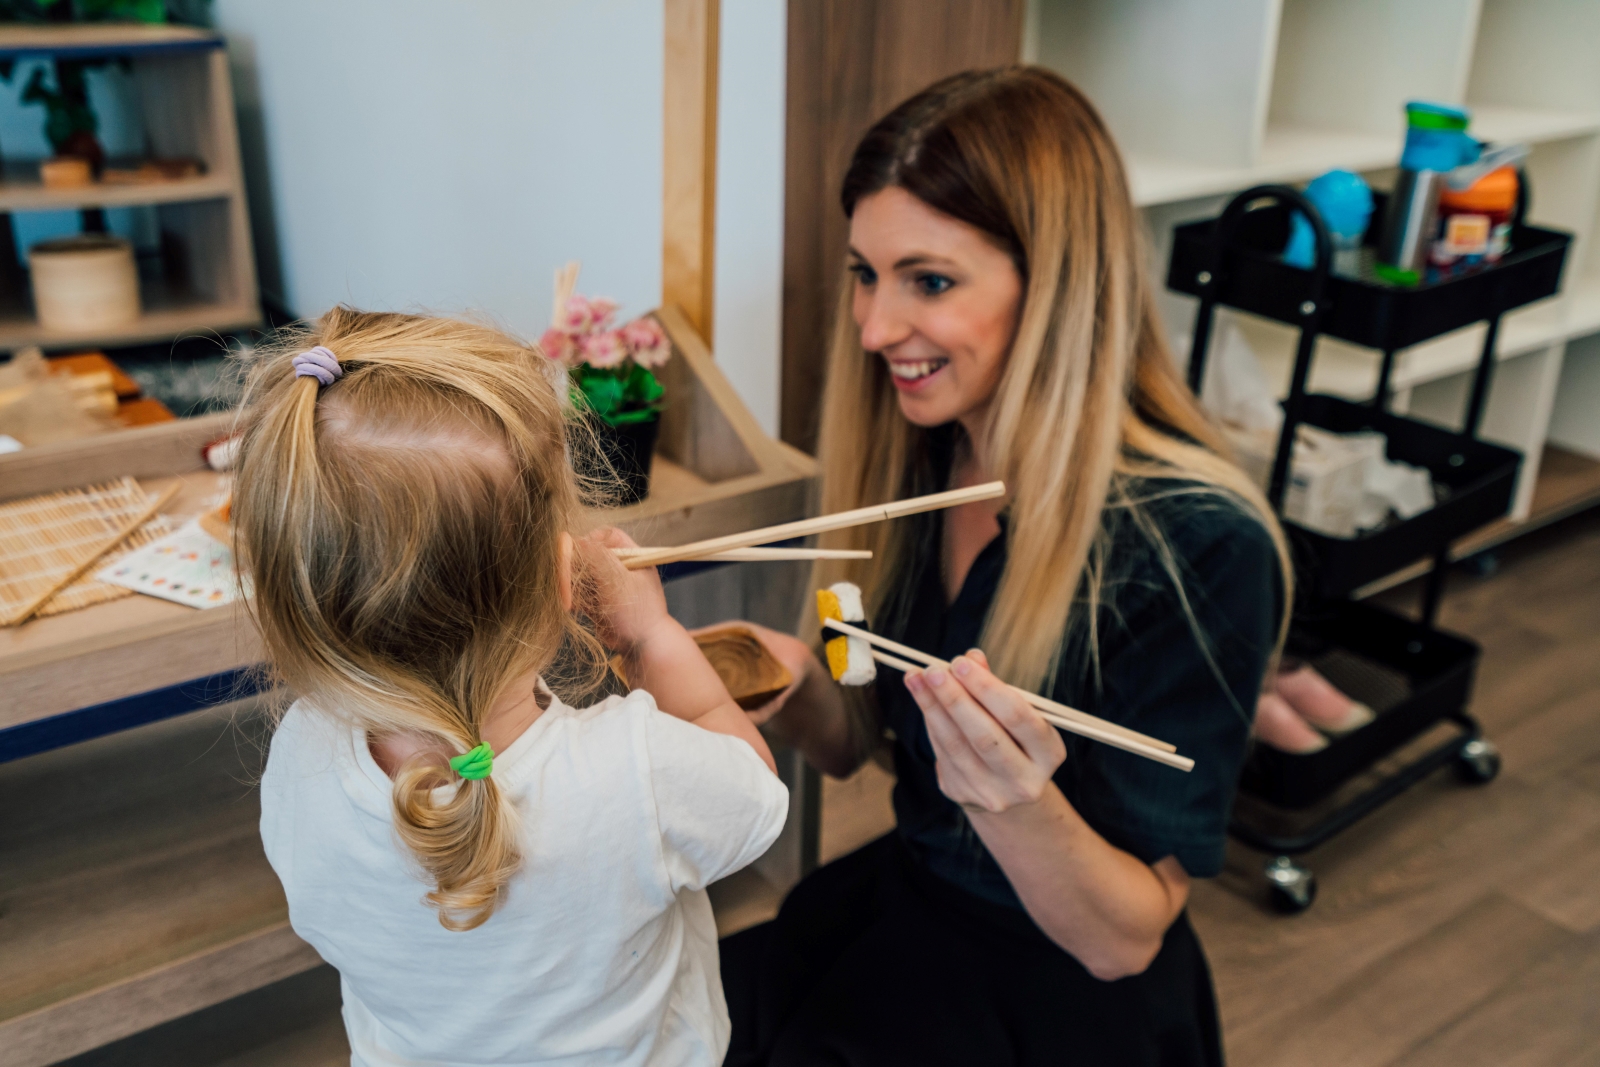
(467, 843)
(401, 494)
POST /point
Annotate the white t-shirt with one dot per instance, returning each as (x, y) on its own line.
(604, 950)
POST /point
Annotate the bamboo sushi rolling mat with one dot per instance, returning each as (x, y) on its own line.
(43, 537)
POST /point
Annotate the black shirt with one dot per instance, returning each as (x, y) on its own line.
(1153, 676)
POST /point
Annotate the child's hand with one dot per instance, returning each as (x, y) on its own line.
(626, 606)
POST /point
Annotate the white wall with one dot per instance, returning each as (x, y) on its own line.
(450, 156)
(408, 154)
(748, 302)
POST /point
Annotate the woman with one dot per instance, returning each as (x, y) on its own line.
(1029, 907)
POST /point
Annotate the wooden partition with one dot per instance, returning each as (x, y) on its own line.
(850, 61)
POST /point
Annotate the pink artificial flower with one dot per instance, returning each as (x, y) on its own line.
(647, 341)
(585, 315)
(561, 347)
(605, 349)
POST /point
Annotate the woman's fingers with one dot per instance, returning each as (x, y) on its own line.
(1026, 726)
(984, 732)
(954, 760)
(992, 753)
(989, 744)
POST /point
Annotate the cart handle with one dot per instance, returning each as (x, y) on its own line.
(1211, 286)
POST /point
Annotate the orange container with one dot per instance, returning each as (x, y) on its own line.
(1475, 223)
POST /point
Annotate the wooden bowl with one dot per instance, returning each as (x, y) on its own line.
(752, 674)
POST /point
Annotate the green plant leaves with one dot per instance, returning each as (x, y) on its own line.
(621, 395)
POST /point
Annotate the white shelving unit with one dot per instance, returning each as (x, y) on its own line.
(185, 107)
(1209, 97)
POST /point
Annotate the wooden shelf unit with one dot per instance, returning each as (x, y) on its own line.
(185, 108)
(1208, 99)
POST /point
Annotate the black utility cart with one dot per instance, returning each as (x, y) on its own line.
(1413, 675)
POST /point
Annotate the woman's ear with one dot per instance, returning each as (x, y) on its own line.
(564, 569)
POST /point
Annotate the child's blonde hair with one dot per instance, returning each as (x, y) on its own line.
(401, 528)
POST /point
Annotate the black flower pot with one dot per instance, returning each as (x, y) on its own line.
(628, 449)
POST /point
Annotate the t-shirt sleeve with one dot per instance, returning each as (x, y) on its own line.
(717, 805)
(1156, 677)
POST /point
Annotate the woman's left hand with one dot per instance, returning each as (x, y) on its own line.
(993, 751)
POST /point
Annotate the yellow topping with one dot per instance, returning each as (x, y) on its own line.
(838, 651)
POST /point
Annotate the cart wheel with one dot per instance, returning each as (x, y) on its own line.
(1478, 762)
(1292, 886)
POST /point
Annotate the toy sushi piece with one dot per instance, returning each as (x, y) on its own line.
(849, 658)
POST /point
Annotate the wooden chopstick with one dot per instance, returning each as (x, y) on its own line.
(821, 524)
(1069, 719)
(73, 575)
(1042, 703)
(757, 555)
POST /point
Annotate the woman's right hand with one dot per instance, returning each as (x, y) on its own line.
(788, 650)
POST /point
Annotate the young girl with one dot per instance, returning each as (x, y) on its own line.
(498, 877)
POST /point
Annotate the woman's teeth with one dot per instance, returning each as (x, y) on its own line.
(910, 372)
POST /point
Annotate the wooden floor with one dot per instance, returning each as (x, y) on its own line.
(1458, 926)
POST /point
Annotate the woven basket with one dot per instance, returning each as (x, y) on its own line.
(86, 282)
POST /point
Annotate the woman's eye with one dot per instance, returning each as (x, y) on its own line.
(932, 284)
(864, 274)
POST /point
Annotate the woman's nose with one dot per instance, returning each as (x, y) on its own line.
(882, 326)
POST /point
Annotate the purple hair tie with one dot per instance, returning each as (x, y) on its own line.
(318, 363)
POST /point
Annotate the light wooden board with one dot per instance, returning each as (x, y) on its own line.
(22, 191)
(161, 321)
(48, 36)
(689, 165)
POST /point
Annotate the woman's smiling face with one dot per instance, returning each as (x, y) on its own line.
(937, 300)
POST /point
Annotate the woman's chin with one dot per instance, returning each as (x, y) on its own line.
(929, 411)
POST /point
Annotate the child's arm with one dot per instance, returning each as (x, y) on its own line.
(630, 611)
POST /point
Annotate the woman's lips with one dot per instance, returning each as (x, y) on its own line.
(909, 375)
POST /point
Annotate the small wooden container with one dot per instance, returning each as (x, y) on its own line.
(752, 674)
(65, 172)
(84, 283)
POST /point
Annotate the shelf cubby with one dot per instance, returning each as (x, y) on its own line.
(183, 109)
(1208, 99)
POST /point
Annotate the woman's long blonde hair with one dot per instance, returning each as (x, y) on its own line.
(401, 528)
(1090, 404)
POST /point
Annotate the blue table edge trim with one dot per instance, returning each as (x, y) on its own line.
(124, 713)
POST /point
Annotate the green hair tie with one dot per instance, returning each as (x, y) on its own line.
(474, 764)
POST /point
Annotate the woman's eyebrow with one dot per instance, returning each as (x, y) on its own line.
(920, 259)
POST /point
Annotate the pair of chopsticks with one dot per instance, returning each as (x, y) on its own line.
(26, 612)
(718, 547)
(1059, 715)
(758, 555)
